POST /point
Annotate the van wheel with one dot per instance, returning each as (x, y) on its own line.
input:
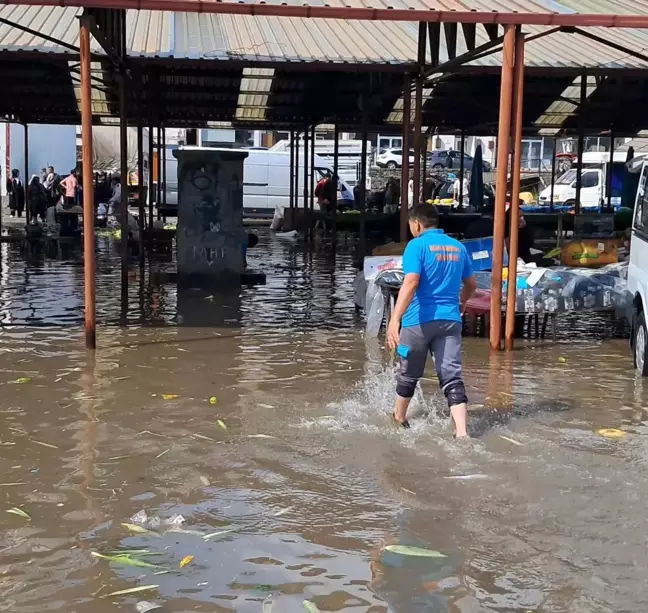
(640, 345)
(392, 165)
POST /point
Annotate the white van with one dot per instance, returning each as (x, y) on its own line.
(638, 273)
(593, 184)
(266, 181)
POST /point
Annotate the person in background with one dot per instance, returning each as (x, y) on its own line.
(458, 193)
(70, 185)
(36, 198)
(114, 202)
(439, 280)
(52, 186)
(16, 191)
(43, 175)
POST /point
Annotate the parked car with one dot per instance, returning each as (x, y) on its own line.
(393, 158)
(439, 159)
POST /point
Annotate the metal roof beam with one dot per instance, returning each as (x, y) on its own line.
(50, 39)
(612, 45)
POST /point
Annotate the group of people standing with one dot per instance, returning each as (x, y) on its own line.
(43, 192)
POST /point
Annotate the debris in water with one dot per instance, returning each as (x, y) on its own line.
(221, 423)
(510, 440)
(186, 560)
(170, 396)
(140, 517)
(310, 606)
(45, 444)
(283, 511)
(215, 534)
(144, 607)
(19, 512)
(137, 529)
(133, 590)
(157, 457)
(10, 484)
(265, 406)
(404, 550)
(123, 558)
(204, 481)
(23, 380)
(562, 360)
(266, 606)
(467, 477)
(213, 400)
(202, 436)
(613, 433)
(259, 436)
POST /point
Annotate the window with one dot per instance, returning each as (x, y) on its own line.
(641, 214)
(397, 151)
(590, 179)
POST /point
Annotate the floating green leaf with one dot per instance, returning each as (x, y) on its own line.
(136, 529)
(133, 590)
(404, 550)
(215, 534)
(23, 380)
(170, 396)
(310, 606)
(213, 400)
(221, 423)
(19, 512)
(124, 559)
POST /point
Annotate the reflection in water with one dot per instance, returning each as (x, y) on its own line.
(308, 472)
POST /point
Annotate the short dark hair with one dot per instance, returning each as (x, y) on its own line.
(426, 214)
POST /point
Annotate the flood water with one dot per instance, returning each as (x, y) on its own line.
(305, 479)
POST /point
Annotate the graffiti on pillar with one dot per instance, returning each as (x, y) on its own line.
(210, 204)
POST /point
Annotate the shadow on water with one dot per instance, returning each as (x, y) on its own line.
(263, 419)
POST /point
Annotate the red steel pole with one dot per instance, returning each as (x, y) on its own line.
(88, 188)
(516, 126)
(503, 134)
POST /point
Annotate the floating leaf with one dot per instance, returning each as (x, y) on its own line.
(283, 511)
(259, 436)
(170, 396)
(136, 529)
(404, 550)
(510, 440)
(562, 360)
(186, 560)
(215, 534)
(213, 400)
(614, 433)
(221, 423)
(45, 444)
(19, 512)
(266, 606)
(144, 607)
(124, 559)
(133, 590)
(23, 380)
(310, 606)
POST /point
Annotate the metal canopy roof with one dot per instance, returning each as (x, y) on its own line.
(606, 13)
(193, 69)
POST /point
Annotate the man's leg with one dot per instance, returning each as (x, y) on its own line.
(412, 351)
(446, 346)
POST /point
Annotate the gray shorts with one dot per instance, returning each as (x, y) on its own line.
(440, 338)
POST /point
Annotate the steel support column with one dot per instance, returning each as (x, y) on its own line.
(312, 183)
(516, 128)
(151, 185)
(609, 172)
(158, 169)
(296, 176)
(503, 134)
(123, 217)
(307, 219)
(407, 112)
(164, 164)
(88, 188)
(336, 180)
(26, 179)
(553, 175)
(291, 198)
(141, 214)
(462, 168)
(581, 142)
(418, 115)
(362, 192)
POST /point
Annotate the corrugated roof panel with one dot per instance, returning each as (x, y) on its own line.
(253, 97)
(149, 33)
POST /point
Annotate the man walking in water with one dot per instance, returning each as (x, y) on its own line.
(438, 281)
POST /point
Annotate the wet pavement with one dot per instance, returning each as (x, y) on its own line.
(304, 480)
